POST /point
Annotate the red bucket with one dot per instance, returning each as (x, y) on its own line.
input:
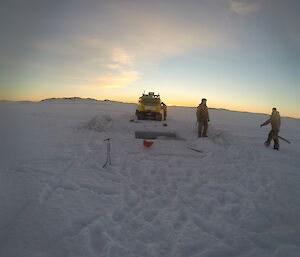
(147, 143)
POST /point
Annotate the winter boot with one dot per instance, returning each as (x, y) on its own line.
(276, 147)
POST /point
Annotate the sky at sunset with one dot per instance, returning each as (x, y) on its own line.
(242, 55)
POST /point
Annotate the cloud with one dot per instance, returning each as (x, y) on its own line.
(154, 32)
(114, 80)
(245, 7)
(95, 63)
(132, 38)
(114, 66)
(120, 56)
(121, 64)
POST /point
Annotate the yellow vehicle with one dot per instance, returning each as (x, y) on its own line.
(149, 107)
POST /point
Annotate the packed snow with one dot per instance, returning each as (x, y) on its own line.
(235, 198)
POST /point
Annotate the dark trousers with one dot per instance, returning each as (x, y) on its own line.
(273, 134)
(165, 115)
(202, 128)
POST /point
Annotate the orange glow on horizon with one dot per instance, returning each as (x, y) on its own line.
(169, 103)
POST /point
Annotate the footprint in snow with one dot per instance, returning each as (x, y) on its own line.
(149, 215)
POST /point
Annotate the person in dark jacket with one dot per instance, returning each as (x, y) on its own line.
(275, 121)
(202, 118)
(164, 108)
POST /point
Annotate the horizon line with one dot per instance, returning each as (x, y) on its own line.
(90, 98)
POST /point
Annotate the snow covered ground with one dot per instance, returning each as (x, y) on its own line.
(236, 198)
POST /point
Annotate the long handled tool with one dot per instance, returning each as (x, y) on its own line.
(284, 139)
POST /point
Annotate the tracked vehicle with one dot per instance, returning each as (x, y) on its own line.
(149, 107)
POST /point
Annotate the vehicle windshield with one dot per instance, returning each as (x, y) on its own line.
(149, 100)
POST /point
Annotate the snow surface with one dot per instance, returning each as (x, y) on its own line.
(237, 198)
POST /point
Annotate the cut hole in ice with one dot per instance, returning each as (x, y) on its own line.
(155, 135)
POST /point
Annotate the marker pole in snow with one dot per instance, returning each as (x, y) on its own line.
(108, 159)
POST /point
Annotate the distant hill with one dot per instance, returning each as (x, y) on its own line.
(11, 101)
(69, 99)
(75, 99)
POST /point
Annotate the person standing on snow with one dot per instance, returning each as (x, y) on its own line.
(275, 121)
(202, 118)
(164, 108)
